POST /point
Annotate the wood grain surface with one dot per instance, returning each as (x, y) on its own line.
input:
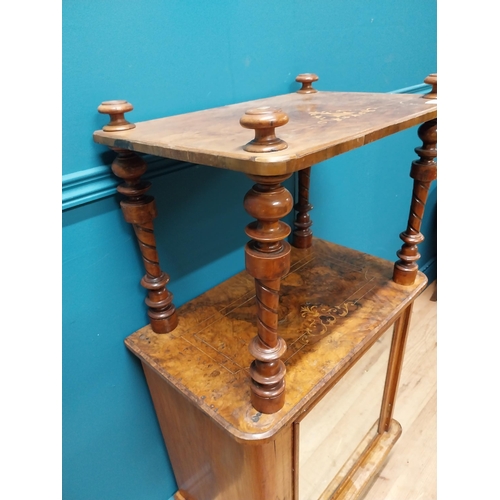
(335, 303)
(321, 125)
(208, 463)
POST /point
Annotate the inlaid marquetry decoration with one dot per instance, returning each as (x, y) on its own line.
(292, 131)
(239, 367)
(207, 356)
(320, 319)
(339, 115)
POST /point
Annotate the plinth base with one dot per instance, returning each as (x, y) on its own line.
(367, 460)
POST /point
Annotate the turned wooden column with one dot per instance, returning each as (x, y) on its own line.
(267, 259)
(139, 210)
(423, 171)
(302, 236)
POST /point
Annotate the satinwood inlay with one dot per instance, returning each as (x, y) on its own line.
(207, 358)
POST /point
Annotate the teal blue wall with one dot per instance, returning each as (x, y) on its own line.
(170, 57)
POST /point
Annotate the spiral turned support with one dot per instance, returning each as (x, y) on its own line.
(139, 210)
(302, 236)
(423, 171)
(267, 259)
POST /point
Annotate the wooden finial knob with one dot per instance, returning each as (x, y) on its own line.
(432, 79)
(264, 120)
(307, 80)
(116, 111)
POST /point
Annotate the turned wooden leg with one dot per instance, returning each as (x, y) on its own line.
(394, 366)
(140, 210)
(423, 171)
(267, 259)
(302, 236)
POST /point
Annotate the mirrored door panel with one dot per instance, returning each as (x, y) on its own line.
(333, 429)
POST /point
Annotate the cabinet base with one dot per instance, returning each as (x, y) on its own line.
(359, 471)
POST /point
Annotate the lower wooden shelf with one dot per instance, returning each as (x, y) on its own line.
(335, 303)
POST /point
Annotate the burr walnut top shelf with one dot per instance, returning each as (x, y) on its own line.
(335, 303)
(321, 125)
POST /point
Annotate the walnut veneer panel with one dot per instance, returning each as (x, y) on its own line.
(321, 125)
(208, 463)
(335, 303)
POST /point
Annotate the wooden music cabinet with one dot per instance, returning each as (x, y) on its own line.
(234, 372)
